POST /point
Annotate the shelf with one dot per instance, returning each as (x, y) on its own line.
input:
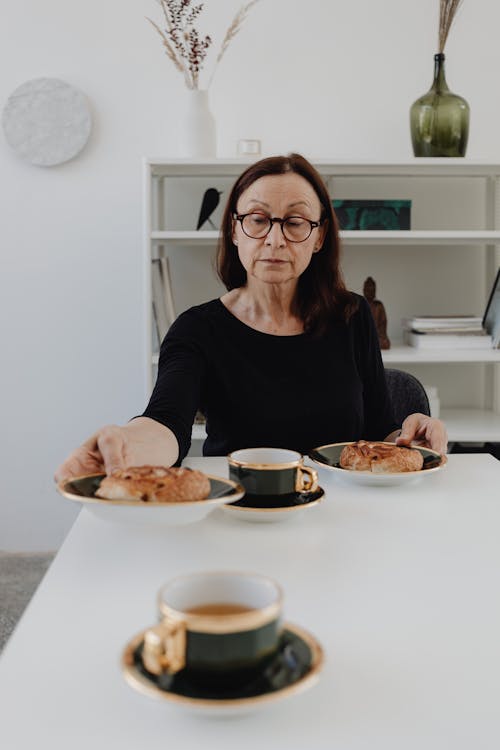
(463, 425)
(471, 425)
(412, 355)
(421, 237)
(412, 237)
(413, 167)
(187, 237)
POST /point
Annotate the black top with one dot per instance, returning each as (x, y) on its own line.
(257, 389)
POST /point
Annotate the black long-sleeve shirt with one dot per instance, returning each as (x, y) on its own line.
(257, 389)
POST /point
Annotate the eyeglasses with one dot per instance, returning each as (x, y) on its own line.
(294, 228)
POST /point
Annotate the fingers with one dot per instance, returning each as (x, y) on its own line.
(112, 447)
(91, 442)
(104, 451)
(66, 470)
(409, 429)
(436, 436)
(79, 463)
(423, 430)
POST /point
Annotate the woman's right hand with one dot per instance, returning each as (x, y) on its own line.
(103, 452)
(141, 441)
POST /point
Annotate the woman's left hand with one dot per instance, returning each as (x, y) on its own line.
(419, 429)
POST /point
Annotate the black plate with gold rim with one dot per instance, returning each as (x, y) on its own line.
(328, 456)
(84, 489)
(138, 512)
(295, 667)
(261, 508)
(290, 500)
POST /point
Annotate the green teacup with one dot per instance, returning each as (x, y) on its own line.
(271, 472)
(220, 626)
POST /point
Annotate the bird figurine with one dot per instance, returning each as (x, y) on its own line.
(209, 203)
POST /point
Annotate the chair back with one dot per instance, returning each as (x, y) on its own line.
(407, 394)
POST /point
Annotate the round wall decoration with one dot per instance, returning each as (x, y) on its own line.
(46, 121)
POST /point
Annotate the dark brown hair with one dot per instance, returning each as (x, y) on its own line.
(322, 294)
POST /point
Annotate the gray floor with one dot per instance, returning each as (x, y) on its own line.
(20, 574)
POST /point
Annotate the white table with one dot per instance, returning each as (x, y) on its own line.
(400, 585)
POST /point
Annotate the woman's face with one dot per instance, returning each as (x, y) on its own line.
(274, 259)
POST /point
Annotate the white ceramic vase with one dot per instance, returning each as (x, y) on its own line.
(196, 126)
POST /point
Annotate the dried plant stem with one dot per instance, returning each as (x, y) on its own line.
(182, 42)
(447, 13)
(231, 33)
(171, 54)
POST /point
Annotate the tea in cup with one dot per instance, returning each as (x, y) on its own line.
(271, 472)
(221, 626)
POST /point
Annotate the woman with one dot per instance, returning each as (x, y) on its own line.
(286, 358)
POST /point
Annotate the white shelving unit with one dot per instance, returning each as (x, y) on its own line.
(169, 207)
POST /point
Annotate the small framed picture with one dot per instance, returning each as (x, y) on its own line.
(373, 214)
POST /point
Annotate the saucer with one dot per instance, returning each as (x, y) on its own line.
(328, 456)
(294, 668)
(269, 509)
(137, 512)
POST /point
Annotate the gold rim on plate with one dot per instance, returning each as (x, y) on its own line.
(242, 509)
(236, 494)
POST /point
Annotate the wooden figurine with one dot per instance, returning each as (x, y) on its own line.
(378, 312)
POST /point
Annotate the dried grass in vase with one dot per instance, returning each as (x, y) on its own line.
(182, 41)
(447, 12)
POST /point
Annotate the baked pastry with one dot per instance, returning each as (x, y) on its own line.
(380, 458)
(155, 484)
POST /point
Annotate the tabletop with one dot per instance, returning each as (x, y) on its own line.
(400, 585)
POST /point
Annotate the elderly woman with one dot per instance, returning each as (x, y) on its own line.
(288, 357)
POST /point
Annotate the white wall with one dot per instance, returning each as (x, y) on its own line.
(337, 80)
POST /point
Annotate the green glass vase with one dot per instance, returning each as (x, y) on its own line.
(439, 120)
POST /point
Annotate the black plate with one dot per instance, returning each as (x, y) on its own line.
(290, 500)
(297, 662)
(329, 455)
(84, 489)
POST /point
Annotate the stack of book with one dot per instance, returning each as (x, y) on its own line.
(449, 331)
(162, 299)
